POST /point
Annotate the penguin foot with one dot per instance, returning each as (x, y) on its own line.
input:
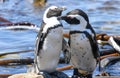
(81, 76)
(75, 76)
(59, 74)
(44, 74)
(89, 76)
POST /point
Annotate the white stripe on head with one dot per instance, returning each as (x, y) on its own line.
(45, 19)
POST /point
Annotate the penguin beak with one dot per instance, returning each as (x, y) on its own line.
(63, 17)
(62, 8)
(69, 19)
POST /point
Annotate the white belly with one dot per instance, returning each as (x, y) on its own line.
(50, 53)
(81, 53)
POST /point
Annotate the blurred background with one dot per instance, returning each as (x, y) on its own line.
(104, 16)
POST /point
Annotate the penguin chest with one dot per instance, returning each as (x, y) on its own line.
(49, 55)
(81, 52)
(54, 39)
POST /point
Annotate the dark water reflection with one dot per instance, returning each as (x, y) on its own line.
(104, 16)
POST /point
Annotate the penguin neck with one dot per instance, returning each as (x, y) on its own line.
(83, 25)
(90, 27)
(51, 20)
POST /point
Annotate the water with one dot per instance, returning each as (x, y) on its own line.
(104, 16)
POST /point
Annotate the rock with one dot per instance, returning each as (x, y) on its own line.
(56, 74)
(107, 77)
(26, 75)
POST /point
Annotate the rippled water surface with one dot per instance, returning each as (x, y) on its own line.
(104, 16)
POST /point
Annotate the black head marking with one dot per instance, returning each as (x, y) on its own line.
(79, 12)
(54, 11)
(74, 20)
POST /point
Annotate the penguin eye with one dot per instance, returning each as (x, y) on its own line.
(53, 9)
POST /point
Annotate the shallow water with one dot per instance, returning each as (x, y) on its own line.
(104, 16)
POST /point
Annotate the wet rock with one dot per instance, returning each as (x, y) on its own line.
(26, 75)
(56, 74)
(103, 74)
(106, 77)
(59, 74)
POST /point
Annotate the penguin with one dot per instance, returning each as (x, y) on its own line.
(49, 43)
(83, 45)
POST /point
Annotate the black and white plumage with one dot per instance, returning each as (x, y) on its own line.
(82, 41)
(49, 41)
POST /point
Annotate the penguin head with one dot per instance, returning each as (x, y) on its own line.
(76, 16)
(53, 11)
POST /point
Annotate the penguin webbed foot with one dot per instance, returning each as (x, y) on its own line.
(55, 74)
(83, 74)
(80, 76)
(59, 74)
